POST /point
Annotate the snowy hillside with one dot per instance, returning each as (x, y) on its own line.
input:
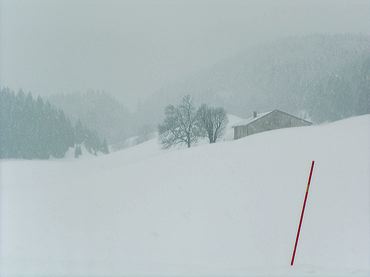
(227, 209)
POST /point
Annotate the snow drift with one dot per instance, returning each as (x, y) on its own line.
(226, 209)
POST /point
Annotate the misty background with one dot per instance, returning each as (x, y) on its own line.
(130, 49)
(114, 65)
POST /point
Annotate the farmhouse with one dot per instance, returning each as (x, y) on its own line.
(267, 121)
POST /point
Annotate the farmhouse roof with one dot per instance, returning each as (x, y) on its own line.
(259, 116)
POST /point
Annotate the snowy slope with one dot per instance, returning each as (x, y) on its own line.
(228, 209)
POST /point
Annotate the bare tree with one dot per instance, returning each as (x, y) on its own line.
(180, 125)
(212, 121)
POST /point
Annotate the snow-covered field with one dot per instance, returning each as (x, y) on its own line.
(228, 209)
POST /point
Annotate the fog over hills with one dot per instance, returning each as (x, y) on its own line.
(133, 48)
(321, 77)
(318, 77)
(97, 110)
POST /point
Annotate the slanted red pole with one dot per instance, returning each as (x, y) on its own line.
(302, 213)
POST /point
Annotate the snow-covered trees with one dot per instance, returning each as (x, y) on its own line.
(212, 121)
(180, 125)
(183, 124)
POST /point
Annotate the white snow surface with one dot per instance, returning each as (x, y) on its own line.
(227, 209)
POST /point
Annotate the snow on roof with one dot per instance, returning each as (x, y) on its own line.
(250, 120)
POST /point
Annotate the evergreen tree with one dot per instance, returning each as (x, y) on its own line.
(78, 151)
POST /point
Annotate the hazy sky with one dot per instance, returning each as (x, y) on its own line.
(132, 48)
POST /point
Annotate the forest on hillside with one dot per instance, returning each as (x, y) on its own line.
(31, 128)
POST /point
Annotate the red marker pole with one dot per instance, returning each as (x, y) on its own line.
(302, 213)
